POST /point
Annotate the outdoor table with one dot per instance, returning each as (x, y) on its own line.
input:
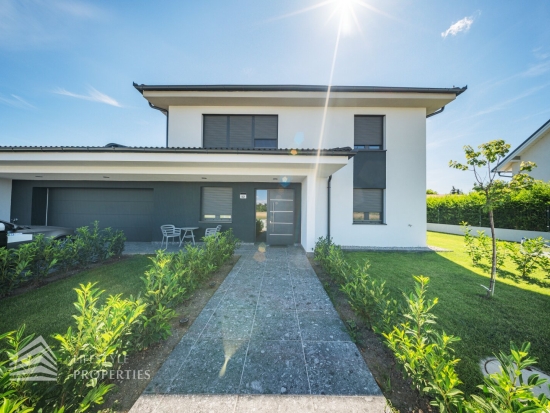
(186, 231)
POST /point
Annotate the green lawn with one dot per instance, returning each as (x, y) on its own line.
(49, 309)
(517, 312)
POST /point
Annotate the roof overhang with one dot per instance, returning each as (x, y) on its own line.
(170, 164)
(164, 96)
(515, 156)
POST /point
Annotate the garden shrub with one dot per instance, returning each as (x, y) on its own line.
(85, 354)
(172, 277)
(526, 209)
(528, 256)
(425, 354)
(104, 333)
(509, 390)
(36, 260)
(480, 249)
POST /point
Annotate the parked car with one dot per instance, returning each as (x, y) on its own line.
(13, 235)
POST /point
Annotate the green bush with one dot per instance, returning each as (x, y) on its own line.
(425, 354)
(85, 354)
(36, 260)
(529, 255)
(172, 277)
(526, 210)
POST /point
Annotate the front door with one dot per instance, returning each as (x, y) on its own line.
(280, 216)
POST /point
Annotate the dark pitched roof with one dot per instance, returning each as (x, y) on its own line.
(344, 151)
(296, 88)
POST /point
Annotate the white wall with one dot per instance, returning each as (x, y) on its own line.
(405, 206)
(295, 124)
(405, 198)
(501, 233)
(5, 199)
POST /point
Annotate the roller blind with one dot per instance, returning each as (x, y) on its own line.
(369, 130)
(265, 127)
(215, 131)
(368, 205)
(217, 204)
(240, 131)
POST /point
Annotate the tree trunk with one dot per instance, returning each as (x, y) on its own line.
(491, 291)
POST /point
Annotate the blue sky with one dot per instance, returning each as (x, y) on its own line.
(67, 67)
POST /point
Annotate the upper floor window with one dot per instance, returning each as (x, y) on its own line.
(369, 132)
(240, 131)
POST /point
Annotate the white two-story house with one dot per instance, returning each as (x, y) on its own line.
(347, 162)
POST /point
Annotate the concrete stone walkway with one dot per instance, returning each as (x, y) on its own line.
(270, 329)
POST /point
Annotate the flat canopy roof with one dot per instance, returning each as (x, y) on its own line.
(164, 96)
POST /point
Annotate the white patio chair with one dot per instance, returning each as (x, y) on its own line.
(218, 228)
(169, 231)
(210, 231)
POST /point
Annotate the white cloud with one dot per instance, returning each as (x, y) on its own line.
(93, 95)
(460, 26)
(36, 23)
(537, 70)
(16, 102)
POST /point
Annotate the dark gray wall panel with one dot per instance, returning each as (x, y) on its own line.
(369, 169)
(175, 203)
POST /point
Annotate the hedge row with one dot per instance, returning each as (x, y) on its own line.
(527, 210)
(44, 256)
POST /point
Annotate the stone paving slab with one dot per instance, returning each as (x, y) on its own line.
(270, 328)
(207, 403)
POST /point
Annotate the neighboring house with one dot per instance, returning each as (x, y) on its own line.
(352, 166)
(536, 148)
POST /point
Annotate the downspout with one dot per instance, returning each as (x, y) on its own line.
(167, 117)
(437, 112)
(328, 207)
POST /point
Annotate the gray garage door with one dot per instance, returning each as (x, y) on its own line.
(130, 210)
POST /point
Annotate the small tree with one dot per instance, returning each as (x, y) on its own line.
(431, 192)
(482, 163)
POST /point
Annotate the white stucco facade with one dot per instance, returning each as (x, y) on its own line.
(306, 122)
(300, 127)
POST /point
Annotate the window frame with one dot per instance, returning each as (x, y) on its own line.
(253, 138)
(382, 220)
(381, 147)
(371, 148)
(202, 220)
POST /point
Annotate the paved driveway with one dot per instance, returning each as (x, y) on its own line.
(270, 329)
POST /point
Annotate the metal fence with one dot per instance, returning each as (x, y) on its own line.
(528, 218)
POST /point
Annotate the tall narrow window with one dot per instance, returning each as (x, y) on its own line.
(217, 204)
(240, 131)
(369, 170)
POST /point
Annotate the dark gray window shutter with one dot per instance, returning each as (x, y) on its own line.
(215, 131)
(240, 132)
(217, 204)
(368, 205)
(369, 130)
(265, 127)
(369, 169)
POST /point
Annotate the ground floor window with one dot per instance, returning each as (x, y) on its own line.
(368, 205)
(217, 204)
